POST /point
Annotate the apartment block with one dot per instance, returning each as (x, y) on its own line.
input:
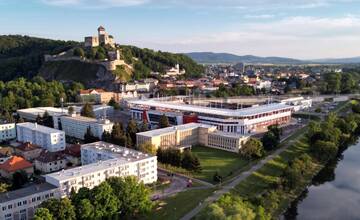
(48, 138)
(7, 131)
(102, 160)
(76, 126)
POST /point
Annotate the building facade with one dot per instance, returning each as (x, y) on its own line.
(21, 204)
(239, 121)
(102, 38)
(192, 134)
(7, 131)
(48, 138)
(101, 160)
(76, 126)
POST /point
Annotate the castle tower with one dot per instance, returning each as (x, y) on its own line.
(101, 30)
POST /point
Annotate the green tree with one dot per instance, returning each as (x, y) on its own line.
(117, 135)
(66, 210)
(131, 131)
(133, 196)
(324, 150)
(71, 110)
(164, 122)
(85, 210)
(42, 214)
(113, 103)
(213, 212)
(19, 179)
(147, 147)
(87, 111)
(106, 136)
(252, 149)
(104, 201)
(89, 136)
(79, 52)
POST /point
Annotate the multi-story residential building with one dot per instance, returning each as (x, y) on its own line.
(239, 121)
(192, 134)
(7, 131)
(76, 126)
(102, 160)
(21, 204)
(49, 162)
(48, 138)
(28, 151)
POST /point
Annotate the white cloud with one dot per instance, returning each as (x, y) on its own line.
(299, 37)
(259, 16)
(95, 3)
(233, 4)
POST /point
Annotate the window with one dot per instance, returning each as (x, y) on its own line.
(19, 203)
(4, 208)
(38, 198)
(9, 206)
(33, 199)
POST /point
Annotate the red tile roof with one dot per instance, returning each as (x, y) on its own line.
(15, 163)
(73, 150)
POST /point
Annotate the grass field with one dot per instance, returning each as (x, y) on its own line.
(227, 164)
(179, 204)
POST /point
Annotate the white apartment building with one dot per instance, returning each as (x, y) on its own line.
(76, 126)
(21, 204)
(7, 131)
(192, 134)
(102, 160)
(48, 138)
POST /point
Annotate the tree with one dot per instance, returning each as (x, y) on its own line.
(133, 196)
(131, 131)
(164, 121)
(79, 52)
(66, 210)
(217, 178)
(213, 212)
(324, 150)
(4, 187)
(60, 209)
(106, 136)
(71, 110)
(87, 111)
(104, 201)
(43, 214)
(253, 148)
(85, 210)
(269, 141)
(190, 161)
(147, 147)
(19, 179)
(144, 126)
(117, 135)
(113, 103)
(89, 136)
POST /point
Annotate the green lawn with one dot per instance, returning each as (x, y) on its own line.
(178, 205)
(226, 163)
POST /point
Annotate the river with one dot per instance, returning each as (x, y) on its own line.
(334, 192)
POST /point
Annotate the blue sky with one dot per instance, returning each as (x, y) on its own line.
(293, 28)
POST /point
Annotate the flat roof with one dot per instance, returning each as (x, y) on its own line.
(39, 128)
(121, 155)
(50, 110)
(116, 151)
(25, 192)
(214, 111)
(172, 129)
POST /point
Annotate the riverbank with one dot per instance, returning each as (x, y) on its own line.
(269, 191)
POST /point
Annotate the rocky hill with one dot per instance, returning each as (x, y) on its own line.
(23, 56)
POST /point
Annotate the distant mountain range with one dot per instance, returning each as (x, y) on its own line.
(212, 58)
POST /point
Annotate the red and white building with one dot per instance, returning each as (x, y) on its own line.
(243, 121)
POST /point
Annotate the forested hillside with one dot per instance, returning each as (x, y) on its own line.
(22, 56)
(158, 61)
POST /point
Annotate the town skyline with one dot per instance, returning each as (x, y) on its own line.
(308, 29)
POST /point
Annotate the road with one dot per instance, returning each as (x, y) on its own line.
(234, 182)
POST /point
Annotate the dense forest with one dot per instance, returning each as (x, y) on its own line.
(22, 56)
(158, 61)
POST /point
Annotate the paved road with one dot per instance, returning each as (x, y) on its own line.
(235, 181)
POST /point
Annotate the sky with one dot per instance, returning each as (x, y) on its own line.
(303, 29)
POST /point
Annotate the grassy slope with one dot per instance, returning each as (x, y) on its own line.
(226, 163)
(179, 204)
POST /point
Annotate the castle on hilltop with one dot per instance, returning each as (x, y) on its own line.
(102, 38)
